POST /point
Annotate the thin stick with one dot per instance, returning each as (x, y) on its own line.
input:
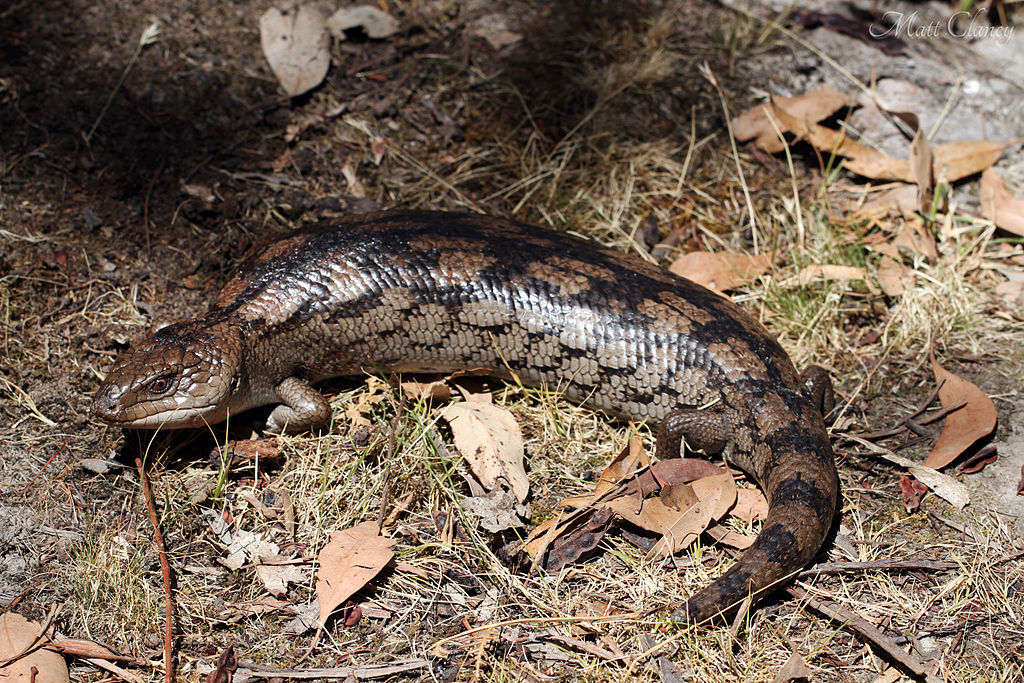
(148, 37)
(364, 672)
(32, 481)
(906, 661)
(118, 671)
(881, 565)
(165, 569)
(706, 72)
(145, 203)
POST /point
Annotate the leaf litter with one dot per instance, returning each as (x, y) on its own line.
(348, 562)
(917, 177)
(947, 162)
(975, 420)
(22, 658)
(691, 495)
(489, 437)
(296, 41)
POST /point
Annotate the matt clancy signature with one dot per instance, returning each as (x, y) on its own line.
(901, 24)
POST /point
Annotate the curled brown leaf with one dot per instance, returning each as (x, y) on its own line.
(964, 426)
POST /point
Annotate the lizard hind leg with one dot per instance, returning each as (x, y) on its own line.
(706, 431)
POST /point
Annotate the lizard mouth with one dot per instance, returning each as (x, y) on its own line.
(171, 418)
(109, 408)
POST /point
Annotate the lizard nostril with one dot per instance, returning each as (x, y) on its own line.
(104, 407)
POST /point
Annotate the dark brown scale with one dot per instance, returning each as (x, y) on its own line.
(423, 291)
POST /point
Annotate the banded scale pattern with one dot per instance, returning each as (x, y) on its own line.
(428, 291)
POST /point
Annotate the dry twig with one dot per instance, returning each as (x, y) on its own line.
(165, 569)
(905, 660)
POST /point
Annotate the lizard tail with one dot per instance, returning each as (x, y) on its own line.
(802, 490)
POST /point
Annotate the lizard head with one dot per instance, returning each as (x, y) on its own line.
(180, 376)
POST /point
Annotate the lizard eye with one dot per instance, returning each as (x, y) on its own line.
(160, 384)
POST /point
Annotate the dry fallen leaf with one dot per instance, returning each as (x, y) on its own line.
(676, 471)
(912, 491)
(374, 22)
(621, 470)
(950, 161)
(954, 161)
(296, 46)
(489, 438)
(227, 663)
(538, 540)
(720, 485)
(242, 546)
(817, 272)
(497, 510)
(917, 239)
(860, 159)
(750, 505)
(964, 426)
(999, 205)
(348, 171)
(359, 412)
(494, 28)
(276, 572)
(379, 148)
(347, 563)
(942, 485)
(795, 669)
(629, 460)
(900, 199)
(1012, 294)
(434, 392)
(813, 106)
(252, 450)
(689, 525)
(893, 276)
(567, 542)
(980, 460)
(718, 271)
(41, 666)
(730, 537)
(651, 514)
(678, 496)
